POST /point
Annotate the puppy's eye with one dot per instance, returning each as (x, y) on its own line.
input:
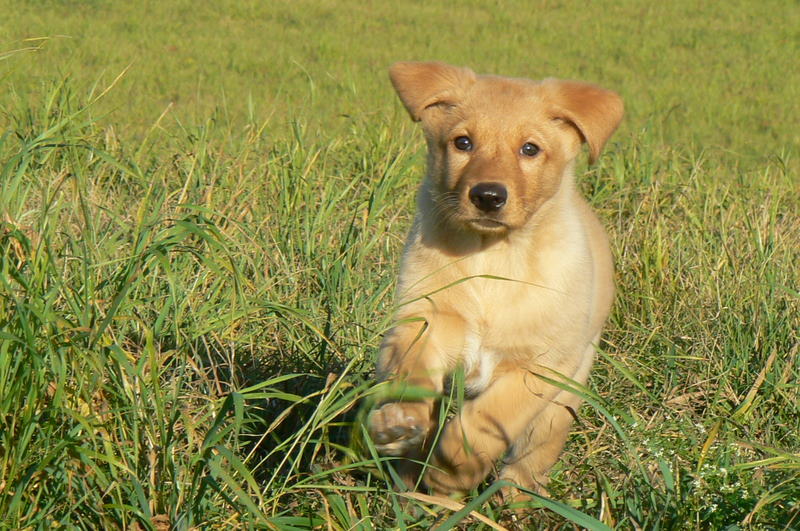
(463, 143)
(529, 150)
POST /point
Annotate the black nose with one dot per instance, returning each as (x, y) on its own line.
(488, 197)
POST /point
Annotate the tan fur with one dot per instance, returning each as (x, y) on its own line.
(552, 289)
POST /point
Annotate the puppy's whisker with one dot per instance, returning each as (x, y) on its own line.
(445, 206)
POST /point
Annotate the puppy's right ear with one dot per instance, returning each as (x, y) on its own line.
(426, 86)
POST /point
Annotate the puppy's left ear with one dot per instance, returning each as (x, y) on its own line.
(595, 112)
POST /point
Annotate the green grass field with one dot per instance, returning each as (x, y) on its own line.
(201, 214)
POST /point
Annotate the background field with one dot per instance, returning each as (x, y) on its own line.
(201, 213)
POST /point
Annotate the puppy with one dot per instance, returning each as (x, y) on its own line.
(507, 273)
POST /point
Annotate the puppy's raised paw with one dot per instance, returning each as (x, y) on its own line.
(399, 428)
(457, 473)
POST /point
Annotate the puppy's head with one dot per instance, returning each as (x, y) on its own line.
(498, 148)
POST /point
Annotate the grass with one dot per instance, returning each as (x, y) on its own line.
(201, 224)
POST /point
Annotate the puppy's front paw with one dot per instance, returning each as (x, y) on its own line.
(399, 428)
(446, 478)
(456, 466)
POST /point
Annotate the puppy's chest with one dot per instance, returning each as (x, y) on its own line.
(497, 306)
(501, 294)
(510, 312)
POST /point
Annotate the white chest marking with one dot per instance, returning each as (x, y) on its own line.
(479, 364)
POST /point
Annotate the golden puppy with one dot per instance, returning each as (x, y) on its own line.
(507, 273)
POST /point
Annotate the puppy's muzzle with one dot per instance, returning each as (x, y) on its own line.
(488, 197)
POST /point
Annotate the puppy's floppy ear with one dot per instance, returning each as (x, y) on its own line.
(593, 111)
(423, 86)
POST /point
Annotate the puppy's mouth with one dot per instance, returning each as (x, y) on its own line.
(487, 225)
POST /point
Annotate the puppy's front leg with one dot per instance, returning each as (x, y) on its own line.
(413, 355)
(484, 429)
